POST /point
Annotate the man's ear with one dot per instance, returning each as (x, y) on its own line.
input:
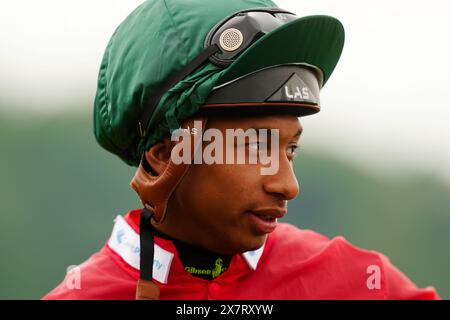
(158, 156)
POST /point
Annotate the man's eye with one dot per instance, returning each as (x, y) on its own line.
(257, 146)
(292, 150)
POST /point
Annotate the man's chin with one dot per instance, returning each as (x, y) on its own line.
(254, 243)
(250, 243)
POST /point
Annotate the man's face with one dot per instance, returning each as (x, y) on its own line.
(230, 208)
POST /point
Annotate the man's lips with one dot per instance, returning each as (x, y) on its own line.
(264, 221)
(276, 213)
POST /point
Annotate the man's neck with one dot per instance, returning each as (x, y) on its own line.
(196, 260)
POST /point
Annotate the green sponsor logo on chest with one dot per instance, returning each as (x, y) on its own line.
(214, 272)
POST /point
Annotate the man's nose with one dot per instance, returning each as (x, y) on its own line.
(283, 182)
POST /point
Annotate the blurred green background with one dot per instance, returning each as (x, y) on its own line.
(60, 192)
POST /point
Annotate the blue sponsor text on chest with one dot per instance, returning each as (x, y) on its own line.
(122, 240)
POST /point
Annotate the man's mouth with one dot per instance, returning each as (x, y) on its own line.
(270, 213)
(266, 217)
(265, 220)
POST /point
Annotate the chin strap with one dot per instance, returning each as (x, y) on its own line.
(146, 288)
(154, 192)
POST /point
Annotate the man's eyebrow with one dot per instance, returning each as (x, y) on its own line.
(297, 135)
(256, 128)
(299, 132)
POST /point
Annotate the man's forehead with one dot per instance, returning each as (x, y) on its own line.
(285, 123)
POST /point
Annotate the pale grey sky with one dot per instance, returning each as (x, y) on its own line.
(386, 105)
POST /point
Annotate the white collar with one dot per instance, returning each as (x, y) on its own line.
(125, 242)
